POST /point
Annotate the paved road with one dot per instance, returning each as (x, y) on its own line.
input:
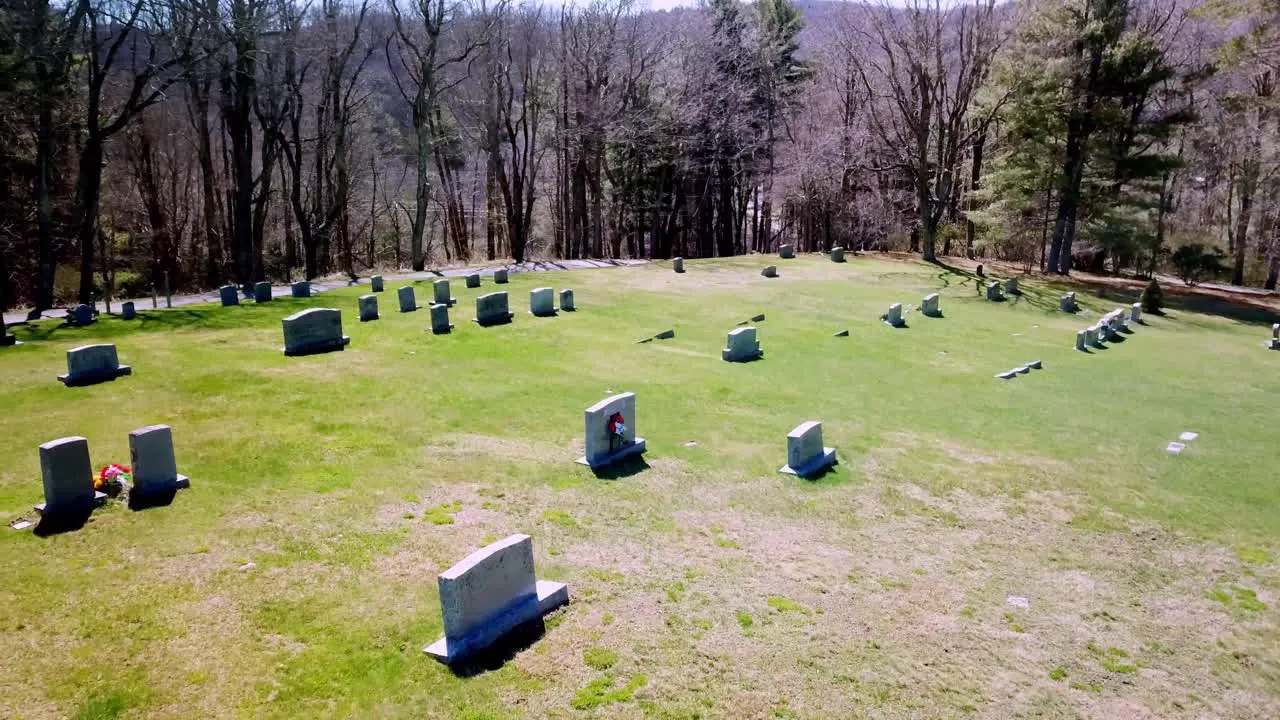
(19, 316)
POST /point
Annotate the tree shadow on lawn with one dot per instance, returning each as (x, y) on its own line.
(213, 317)
(521, 638)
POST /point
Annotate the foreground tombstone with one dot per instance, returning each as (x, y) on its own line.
(1011, 286)
(500, 276)
(492, 309)
(837, 254)
(677, 264)
(542, 302)
(262, 292)
(1082, 340)
(566, 300)
(81, 315)
(440, 293)
(315, 330)
(128, 311)
(1135, 312)
(229, 295)
(611, 431)
(408, 302)
(376, 282)
(770, 271)
(1067, 303)
(490, 593)
(68, 479)
(1275, 336)
(929, 306)
(440, 324)
(368, 308)
(1096, 335)
(473, 280)
(89, 364)
(300, 289)
(155, 472)
(786, 252)
(742, 346)
(993, 292)
(805, 454)
(893, 318)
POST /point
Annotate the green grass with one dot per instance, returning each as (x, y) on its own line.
(296, 578)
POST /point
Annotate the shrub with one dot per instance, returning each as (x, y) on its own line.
(1194, 262)
(1153, 298)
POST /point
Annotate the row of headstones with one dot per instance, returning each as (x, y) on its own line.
(996, 290)
(230, 295)
(67, 473)
(1109, 327)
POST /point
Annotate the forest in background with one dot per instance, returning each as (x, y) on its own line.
(182, 144)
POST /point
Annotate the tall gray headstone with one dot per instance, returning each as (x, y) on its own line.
(677, 264)
(742, 346)
(408, 303)
(492, 309)
(262, 292)
(368, 308)
(611, 431)
(566, 300)
(68, 478)
(440, 293)
(786, 252)
(893, 318)
(500, 276)
(542, 302)
(1135, 312)
(805, 454)
(128, 311)
(491, 592)
(1082, 340)
(1275, 336)
(1011, 286)
(82, 315)
(440, 324)
(929, 306)
(473, 280)
(377, 283)
(314, 330)
(770, 271)
(837, 254)
(89, 364)
(151, 458)
(229, 295)
(993, 291)
(300, 289)
(1067, 303)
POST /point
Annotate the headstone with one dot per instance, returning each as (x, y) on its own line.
(500, 276)
(611, 431)
(6, 338)
(440, 293)
(89, 364)
(1175, 448)
(1082, 340)
(82, 315)
(770, 271)
(993, 292)
(837, 254)
(542, 302)
(262, 292)
(491, 592)
(1067, 303)
(665, 335)
(980, 273)
(893, 318)
(155, 471)
(473, 280)
(566, 300)
(805, 454)
(841, 333)
(677, 264)
(68, 478)
(314, 330)
(1035, 365)
(128, 311)
(742, 346)
(491, 309)
(229, 295)
(300, 289)
(1023, 370)
(440, 324)
(1007, 375)
(757, 318)
(1275, 336)
(368, 308)
(1096, 336)
(1011, 286)
(786, 252)
(929, 306)
(1122, 319)
(376, 282)
(408, 303)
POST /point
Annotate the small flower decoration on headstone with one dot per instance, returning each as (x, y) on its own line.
(617, 431)
(112, 479)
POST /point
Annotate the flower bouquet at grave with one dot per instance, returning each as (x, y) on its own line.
(112, 479)
(617, 431)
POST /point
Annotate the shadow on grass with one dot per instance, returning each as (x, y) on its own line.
(50, 525)
(208, 317)
(624, 468)
(521, 638)
(146, 501)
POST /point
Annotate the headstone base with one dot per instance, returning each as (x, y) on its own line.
(554, 312)
(499, 320)
(181, 482)
(7, 340)
(442, 330)
(726, 354)
(1275, 344)
(815, 466)
(95, 378)
(548, 596)
(636, 448)
(318, 348)
(98, 499)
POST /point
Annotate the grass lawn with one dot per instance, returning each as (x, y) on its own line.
(297, 576)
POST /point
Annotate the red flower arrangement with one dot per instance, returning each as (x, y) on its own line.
(112, 476)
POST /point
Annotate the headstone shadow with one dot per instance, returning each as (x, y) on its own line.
(145, 501)
(521, 638)
(50, 525)
(624, 468)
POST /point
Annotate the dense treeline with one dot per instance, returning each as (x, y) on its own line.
(147, 144)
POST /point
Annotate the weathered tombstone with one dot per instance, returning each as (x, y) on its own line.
(665, 335)
(841, 333)
(89, 364)
(929, 306)
(473, 280)
(1121, 320)
(611, 431)
(805, 454)
(786, 252)
(980, 273)
(229, 295)
(1275, 336)
(1135, 312)
(408, 302)
(677, 264)
(837, 254)
(68, 478)
(155, 472)
(300, 289)
(490, 593)
(1036, 365)
(1082, 340)
(6, 338)
(1022, 370)
(542, 302)
(262, 292)
(368, 308)
(770, 271)
(742, 346)
(82, 315)
(500, 276)
(1067, 303)
(440, 290)
(893, 318)
(314, 330)
(566, 300)
(492, 309)
(1011, 286)
(993, 292)
(128, 311)
(440, 324)
(1009, 375)
(376, 282)
(1096, 336)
